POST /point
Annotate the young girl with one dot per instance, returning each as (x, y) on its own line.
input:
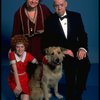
(19, 58)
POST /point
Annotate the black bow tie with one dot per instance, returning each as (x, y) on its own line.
(63, 17)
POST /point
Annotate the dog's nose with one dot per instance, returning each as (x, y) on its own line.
(57, 60)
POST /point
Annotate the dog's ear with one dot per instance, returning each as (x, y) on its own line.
(62, 50)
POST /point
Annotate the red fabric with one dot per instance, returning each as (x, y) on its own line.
(35, 47)
(44, 60)
(11, 56)
(23, 80)
(21, 68)
(34, 40)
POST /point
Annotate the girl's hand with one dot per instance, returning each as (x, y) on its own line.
(17, 90)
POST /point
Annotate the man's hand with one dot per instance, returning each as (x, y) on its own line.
(81, 54)
(69, 52)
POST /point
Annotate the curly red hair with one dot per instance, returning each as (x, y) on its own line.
(19, 39)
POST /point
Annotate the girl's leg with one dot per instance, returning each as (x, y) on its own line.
(24, 97)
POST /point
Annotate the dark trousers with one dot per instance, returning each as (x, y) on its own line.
(76, 74)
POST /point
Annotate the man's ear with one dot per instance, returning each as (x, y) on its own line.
(66, 4)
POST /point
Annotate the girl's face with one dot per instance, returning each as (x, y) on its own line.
(32, 3)
(20, 48)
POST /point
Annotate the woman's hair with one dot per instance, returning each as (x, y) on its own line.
(19, 39)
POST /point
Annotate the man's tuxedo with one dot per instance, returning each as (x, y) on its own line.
(54, 34)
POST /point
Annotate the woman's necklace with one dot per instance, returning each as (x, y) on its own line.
(31, 15)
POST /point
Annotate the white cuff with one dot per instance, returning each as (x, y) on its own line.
(83, 49)
(12, 62)
(34, 61)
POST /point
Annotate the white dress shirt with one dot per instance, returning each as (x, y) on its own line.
(64, 25)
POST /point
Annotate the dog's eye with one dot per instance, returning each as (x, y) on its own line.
(59, 52)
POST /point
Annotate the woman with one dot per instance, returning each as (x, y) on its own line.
(29, 21)
(18, 79)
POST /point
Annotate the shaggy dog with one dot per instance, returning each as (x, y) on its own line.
(36, 91)
(52, 72)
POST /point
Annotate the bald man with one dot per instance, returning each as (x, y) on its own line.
(65, 28)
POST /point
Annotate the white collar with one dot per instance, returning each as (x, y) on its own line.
(23, 57)
(64, 14)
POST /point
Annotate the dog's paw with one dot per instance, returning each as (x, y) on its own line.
(58, 96)
(50, 95)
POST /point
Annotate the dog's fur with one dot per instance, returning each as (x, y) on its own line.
(52, 72)
(35, 85)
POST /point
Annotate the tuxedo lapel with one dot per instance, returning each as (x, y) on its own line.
(69, 27)
(59, 27)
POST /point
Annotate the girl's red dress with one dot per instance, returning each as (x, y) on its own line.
(21, 68)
